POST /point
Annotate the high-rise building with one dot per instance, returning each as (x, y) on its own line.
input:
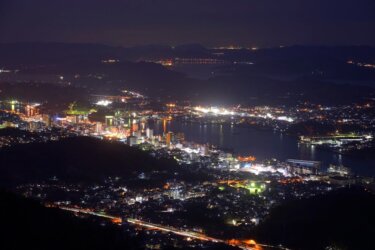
(109, 120)
(34, 126)
(149, 133)
(169, 138)
(180, 137)
(164, 126)
(137, 134)
(204, 149)
(98, 127)
(132, 140)
(72, 119)
(303, 166)
(31, 110)
(47, 120)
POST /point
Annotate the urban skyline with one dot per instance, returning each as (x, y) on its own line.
(175, 124)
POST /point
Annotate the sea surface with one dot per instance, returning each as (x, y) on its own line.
(264, 144)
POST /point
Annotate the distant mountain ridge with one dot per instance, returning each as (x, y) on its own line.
(48, 50)
(327, 75)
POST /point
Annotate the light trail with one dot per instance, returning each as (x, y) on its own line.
(243, 244)
(190, 234)
(114, 219)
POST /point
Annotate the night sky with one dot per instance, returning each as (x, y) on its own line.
(262, 23)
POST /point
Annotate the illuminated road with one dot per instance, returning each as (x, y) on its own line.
(114, 219)
(190, 234)
(244, 244)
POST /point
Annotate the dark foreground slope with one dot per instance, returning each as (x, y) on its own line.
(76, 159)
(86, 160)
(343, 219)
(27, 224)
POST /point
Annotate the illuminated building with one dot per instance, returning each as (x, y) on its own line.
(340, 170)
(98, 127)
(47, 120)
(34, 126)
(204, 150)
(72, 119)
(246, 158)
(137, 133)
(132, 140)
(135, 126)
(164, 126)
(176, 193)
(169, 138)
(143, 126)
(303, 166)
(31, 110)
(109, 120)
(149, 133)
(180, 137)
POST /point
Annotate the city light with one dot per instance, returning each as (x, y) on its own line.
(162, 125)
(214, 110)
(104, 103)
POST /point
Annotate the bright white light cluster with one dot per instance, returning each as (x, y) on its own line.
(285, 118)
(104, 103)
(260, 168)
(190, 150)
(214, 110)
(133, 93)
(35, 104)
(227, 112)
(280, 118)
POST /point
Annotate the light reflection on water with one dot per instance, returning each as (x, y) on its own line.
(263, 144)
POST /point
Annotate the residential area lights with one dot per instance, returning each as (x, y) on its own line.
(226, 112)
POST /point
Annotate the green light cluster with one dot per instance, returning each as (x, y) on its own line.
(73, 110)
(253, 187)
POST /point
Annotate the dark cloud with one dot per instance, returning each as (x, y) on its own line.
(211, 22)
